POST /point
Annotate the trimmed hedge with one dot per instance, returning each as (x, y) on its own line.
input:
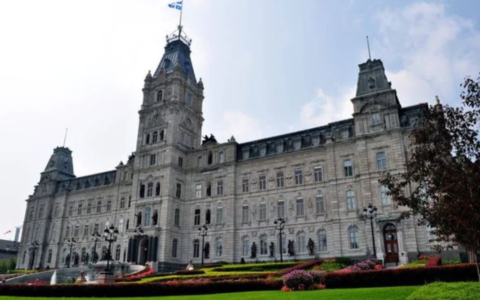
(302, 266)
(139, 290)
(255, 267)
(401, 276)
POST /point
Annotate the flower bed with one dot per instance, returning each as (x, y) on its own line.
(300, 280)
(136, 276)
(302, 266)
(255, 267)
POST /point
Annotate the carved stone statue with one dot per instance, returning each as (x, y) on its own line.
(253, 250)
(272, 249)
(291, 250)
(190, 266)
(81, 279)
(310, 246)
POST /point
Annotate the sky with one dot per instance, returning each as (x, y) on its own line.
(269, 67)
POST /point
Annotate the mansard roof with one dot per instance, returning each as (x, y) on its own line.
(87, 182)
(177, 52)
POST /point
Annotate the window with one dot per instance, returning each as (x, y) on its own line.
(85, 230)
(153, 159)
(79, 210)
(322, 240)
(122, 202)
(220, 187)
(109, 205)
(376, 118)
(281, 209)
(386, 199)
(120, 225)
(118, 251)
(174, 247)
(155, 137)
(160, 95)
(353, 237)
(142, 190)
(207, 216)
(198, 191)
(280, 181)
(263, 211)
(263, 245)
(70, 211)
(302, 246)
(351, 201)
(348, 167)
(56, 211)
(96, 227)
(89, 207)
(262, 182)
(345, 133)
(245, 213)
(219, 215)
(381, 161)
(147, 139)
(188, 100)
(318, 174)
(162, 135)
(67, 231)
(245, 185)
(76, 233)
(179, 190)
(197, 217)
(221, 157)
(180, 161)
(320, 203)
(298, 177)
(150, 189)
(300, 211)
(177, 217)
(199, 161)
(40, 212)
(99, 206)
(196, 248)
(157, 189)
(209, 190)
(245, 246)
(210, 158)
(49, 257)
(148, 216)
(139, 218)
(218, 247)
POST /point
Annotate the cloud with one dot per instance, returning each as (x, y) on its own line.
(242, 126)
(435, 50)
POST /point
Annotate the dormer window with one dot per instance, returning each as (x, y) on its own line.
(160, 95)
(376, 118)
(345, 133)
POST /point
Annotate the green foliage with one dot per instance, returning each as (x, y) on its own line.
(7, 265)
(255, 267)
(331, 266)
(451, 262)
(345, 261)
(447, 291)
(419, 263)
(22, 271)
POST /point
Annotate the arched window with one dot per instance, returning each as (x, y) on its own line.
(162, 135)
(142, 191)
(118, 251)
(177, 217)
(148, 215)
(208, 216)
(197, 217)
(353, 237)
(139, 218)
(147, 139)
(263, 245)
(160, 95)
(196, 248)
(157, 189)
(302, 246)
(150, 189)
(155, 137)
(174, 247)
(210, 158)
(351, 201)
(218, 247)
(322, 240)
(49, 257)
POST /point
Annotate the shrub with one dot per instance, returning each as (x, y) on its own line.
(399, 277)
(434, 261)
(447, 291)
(317, 276)
(363, 266)
(331, 266)
(298, 280)
(344, 261)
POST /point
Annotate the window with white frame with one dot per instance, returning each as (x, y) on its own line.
(109, 205)
(120, 225)
(76, 233)
(245, 185)
(218, 247)
(301, 243)
(85, 230)
(245, 213)
(381, 161)
(263, 245)
(262, 182)
(300, 207)
(318, 174)
(320, 203)
(220, 187)
(351, 201)
(384, 196)
(245, 246)
(353, 237)
(196, 220)
(348, 167)
(150, 189)
(196, 248)
(153, 159)
(322, 240)
(221, 157)
(280, 179)
(198, 191)
(148, 216)
(263, 211)
(281, 209)
(219, 215)
(298, 177)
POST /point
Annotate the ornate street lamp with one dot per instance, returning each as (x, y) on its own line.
(95, 237)
(70, 243)
(370, 212)
(280, 225)
(202, 231)
(33, 248)
(110, 234)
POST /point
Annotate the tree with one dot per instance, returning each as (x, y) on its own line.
(441, 181)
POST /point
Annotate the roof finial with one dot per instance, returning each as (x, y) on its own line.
(368, 46)
(438, 99)
(65, 138)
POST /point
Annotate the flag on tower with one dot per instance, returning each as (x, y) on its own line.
(176, 5)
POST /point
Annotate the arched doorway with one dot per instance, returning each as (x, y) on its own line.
(142, 251)
(390, 239)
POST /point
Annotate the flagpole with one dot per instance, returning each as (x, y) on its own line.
(180, 24)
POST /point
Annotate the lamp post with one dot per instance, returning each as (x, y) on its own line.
(95, 237)
(202, 231)
(370, 212)
(33, 248)
(110, 234)
(70, 243)
(280, 225)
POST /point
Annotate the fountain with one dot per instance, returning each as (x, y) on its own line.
(53, 280)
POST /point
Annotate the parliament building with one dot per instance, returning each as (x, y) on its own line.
(317, 180)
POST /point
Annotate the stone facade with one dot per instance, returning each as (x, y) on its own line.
(318, 180)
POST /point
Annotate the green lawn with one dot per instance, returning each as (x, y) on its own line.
(391, 293)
